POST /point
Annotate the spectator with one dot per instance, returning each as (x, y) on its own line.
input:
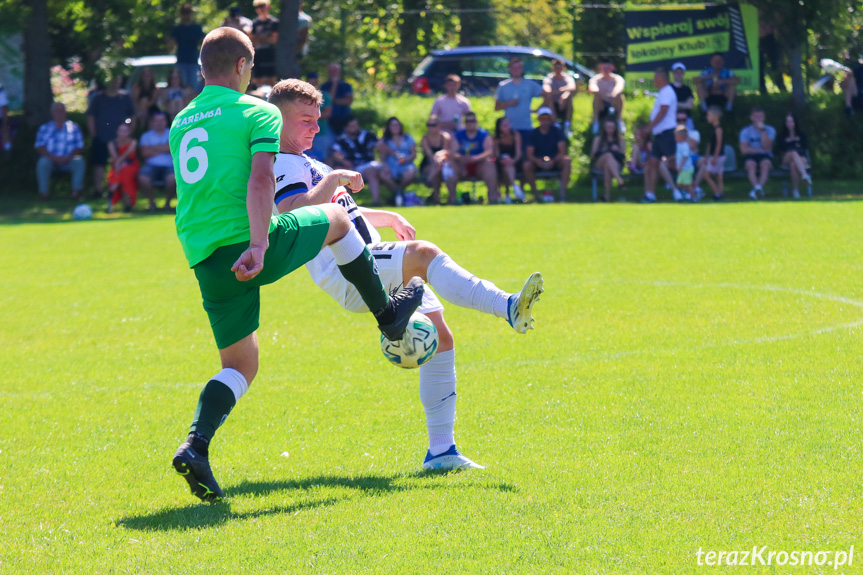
(436, 145)
(472, 157)
(60, 145)
(560, 88)
(325, 137)
(186, 38)
(851, 84)
(398, 151)
(609, 155)
(640, 149)
(123, 175)
(341, 95)
(265, 34)
(683, 164)
(4, 119)
(716, 86)
(158, 165)
(756, 146)
(313, 79)
(713, 162)
(451, 107)
(507, 151)
(693, 138)
(355, 150)
(108, 109)
(663, 120)
(145, 95)
(304, 26)
(514, 97)
(685, 99)
(176, 96)
(237, 21)
(546, 150)
(607, 89)
(793, 145)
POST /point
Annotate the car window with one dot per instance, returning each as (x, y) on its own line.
(442, 67)
(486, 66)
(536, 67)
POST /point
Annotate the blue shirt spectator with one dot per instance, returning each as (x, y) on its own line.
(752, 136)
(59, 144)
(60, 140)
(514, 97)
(342, 96)
(471, 145)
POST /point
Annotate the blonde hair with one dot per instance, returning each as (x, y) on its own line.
(292, 90)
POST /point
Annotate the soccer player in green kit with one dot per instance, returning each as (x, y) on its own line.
(224, 144)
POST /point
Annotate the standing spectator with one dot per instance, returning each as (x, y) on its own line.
(398, 151)
(341, 95)
(713, 162)
(546, 150)
(663, 120)
(451, 107)
(237, 21)
(793, 145)
(123, 175)
(186, 38)
(683, 164)
(756, 146)
(514, 97)
(507, 151)
(472, 156)
(851, 84)
(609, 155)
(145, 95)
(717, 85)
(560, 89)
(685, 98)
(607, 89)
(436, 145)
(304, 26)
(175, 96)
(158, 164)
(355, 150)
(108, 109)
(60, 145)
(265, 34)
(325, 137)
(4, 119)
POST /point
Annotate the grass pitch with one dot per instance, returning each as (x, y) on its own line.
(693, 382)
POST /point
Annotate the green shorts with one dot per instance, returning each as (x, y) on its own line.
(233, 306)
(684, 177)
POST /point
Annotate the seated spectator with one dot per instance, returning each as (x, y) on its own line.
(607, 89)
(398, 151)
(175, 95)
(472, 157)
(756, 146)
(451, 107)
(145, 95)
(608, 154)
(60, 146)
(560, 89)
(158, 165)
(123, 174)
(716, 86)
(851, 85)
(236, 20)
(793, 145)
(547, 151)
(436, 145)
(507, 152)
(683, 165)
(640, 149)
(354, 150)
(713, 163)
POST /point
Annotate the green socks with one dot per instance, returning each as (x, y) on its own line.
(218, 398)
(363, 274)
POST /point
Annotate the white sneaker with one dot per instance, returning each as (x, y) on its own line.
(449, 459)
(447, 172)
(521, 304)
(807, 178)
(795, 194)
(507, 200)
(753, 194)
(519, 193)
(678, 195)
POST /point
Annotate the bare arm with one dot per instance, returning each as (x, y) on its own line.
(323, 192)
(148, 152)
(686, 105)
(663, 110)
(719, 144)
(383, 219)
(259, 205)
(487, 150)
(517, 139)
(619, 85)
(594, 147)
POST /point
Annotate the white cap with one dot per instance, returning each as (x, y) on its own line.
(544, 110)
(678, 66)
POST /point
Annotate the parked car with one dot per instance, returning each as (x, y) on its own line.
(482, 67)
(160, 65)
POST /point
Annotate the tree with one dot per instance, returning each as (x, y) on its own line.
(286, 46)
(478, 23)
(37, 64)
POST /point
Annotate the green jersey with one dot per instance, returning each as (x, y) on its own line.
(212, 142)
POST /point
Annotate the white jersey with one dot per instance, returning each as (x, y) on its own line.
(298, 175)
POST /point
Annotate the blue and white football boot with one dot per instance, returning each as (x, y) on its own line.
(521, 303)
(449, 459)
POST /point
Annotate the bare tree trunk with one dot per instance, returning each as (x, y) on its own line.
(478, 23)
(37, 64)
(287, 65)
(798, 86)
(410, 23)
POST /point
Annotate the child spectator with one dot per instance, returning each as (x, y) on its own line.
(436, 146)
(507, 150)
(640, 149)
(793, 145)
(398, 150)
(123, 175)
(609, 154)
(713, 163)
(683, 164)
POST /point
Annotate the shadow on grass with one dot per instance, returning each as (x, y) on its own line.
(202, 516)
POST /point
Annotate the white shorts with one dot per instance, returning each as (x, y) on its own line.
(389, 257)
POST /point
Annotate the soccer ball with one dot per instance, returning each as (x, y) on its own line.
(416, 347)
(82, 212)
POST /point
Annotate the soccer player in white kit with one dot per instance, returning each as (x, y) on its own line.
(302, 181)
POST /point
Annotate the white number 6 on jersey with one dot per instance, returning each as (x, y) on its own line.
(197, 152)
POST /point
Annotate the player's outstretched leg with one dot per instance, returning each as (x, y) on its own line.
(521, 304)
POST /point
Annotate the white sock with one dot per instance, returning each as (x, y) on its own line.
(348, 248)
(234, 380)
(457, 285)
(650, 195)
(437, 393)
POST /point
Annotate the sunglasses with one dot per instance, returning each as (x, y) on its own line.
(473, 121)
(431, 125)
